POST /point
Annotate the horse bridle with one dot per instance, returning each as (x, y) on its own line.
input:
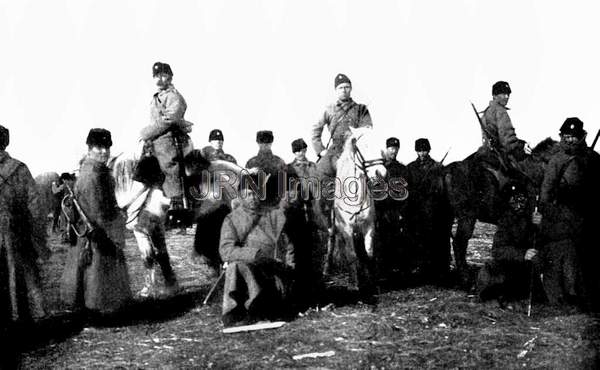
(362, 164)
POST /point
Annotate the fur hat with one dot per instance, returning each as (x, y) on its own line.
(298, 145)
(159, 68)
(501, 87)
(422, 145)
(264, 137)
(99, 137)
(216, 134)
(392, 141)
(340, 79)
(572, 126)
(4, 137)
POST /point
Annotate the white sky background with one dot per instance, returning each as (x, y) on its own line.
(243, 66)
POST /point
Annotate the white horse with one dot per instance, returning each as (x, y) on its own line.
(354, 211)
(214, 183)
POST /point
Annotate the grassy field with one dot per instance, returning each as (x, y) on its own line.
(411, 327)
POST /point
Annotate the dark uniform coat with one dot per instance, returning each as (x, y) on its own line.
(272, 165)
(428, 217)
(167, 124)
(392, 251)
(566, 196)
(506, 276)
(338, 118)
(212, 154)
(260, 260)
(305, 228)
(22, 241)
(103, 285)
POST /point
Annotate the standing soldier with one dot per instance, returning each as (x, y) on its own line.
(208, 226)
(567, 194)
(392, 250)
(304, 221)
(338, 117)
(167, 134)
(95, 275)
(215, 149)
(270, 165)
(22, 242)
(429, 214)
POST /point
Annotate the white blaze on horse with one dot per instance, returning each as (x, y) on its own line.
(354, 210)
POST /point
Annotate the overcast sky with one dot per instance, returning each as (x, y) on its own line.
(246, 65)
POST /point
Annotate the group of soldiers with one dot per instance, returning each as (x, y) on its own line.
(272, 252)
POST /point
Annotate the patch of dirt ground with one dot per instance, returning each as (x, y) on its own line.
(411, 327)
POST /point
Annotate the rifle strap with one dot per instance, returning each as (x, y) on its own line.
(255, 220)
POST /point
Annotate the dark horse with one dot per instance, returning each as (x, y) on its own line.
(474, 194)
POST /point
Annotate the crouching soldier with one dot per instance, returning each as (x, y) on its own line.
(507, 276)
(260, 263)
(95, 275)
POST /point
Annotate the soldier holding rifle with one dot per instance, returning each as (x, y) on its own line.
(95, 275)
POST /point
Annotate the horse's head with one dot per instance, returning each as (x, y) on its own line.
(362, 154)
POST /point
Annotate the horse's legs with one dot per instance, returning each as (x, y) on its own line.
(363, 251)
(161, 256)
(330, 243)
(464, 231)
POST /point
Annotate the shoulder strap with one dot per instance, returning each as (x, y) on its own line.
(255, 220)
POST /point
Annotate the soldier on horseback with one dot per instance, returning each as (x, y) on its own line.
(338, 117)
(167, 134)
(501, 150)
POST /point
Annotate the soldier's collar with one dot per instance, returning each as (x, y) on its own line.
(493, 102)
(3, 155)
(168, 89)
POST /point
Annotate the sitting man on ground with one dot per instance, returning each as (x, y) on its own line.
(260, 262)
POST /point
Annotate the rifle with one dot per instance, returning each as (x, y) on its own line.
(91, 232)
(88, 227)
(532, 268)
(326, 147)
(492, 145)
(445, 155)
(595, 140)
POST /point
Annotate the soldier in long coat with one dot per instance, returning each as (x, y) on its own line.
(168, 130)
(269, 165)
(429, 219)
(260, 262)
(22, 241)
(393, 252)
(566, 195)
(306, 224)
(95, 275)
